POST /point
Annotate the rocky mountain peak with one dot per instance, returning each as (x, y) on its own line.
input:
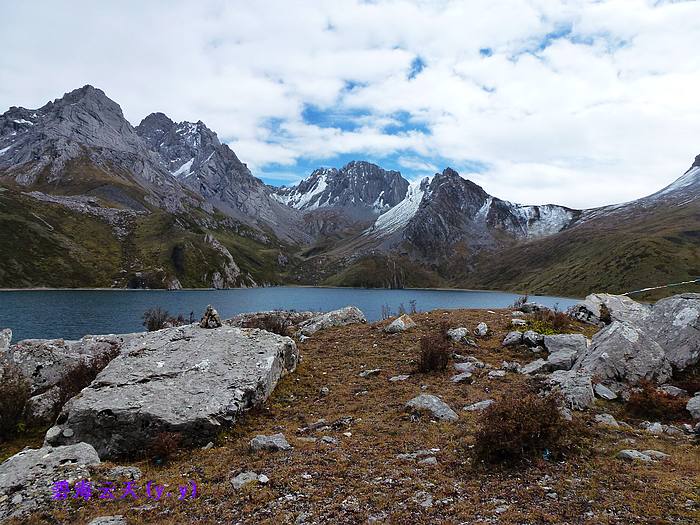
(361, 188)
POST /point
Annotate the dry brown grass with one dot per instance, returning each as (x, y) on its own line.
(647, 402)
(362, 476)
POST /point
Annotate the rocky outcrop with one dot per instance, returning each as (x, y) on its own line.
(42, 409)
(187, 380)
(278, 318)
(45, 362)
(619, 308)
(644, 342)
(341, 317)
(27, 478)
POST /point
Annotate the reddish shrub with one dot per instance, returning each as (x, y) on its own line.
(435, 351)
(647, 402)
(523, 424)
(163, 446)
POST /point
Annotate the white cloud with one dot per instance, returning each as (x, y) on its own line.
(607, 112)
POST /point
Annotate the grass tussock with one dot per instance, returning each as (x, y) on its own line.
(435, 351)
(164, 446)
(550, 322)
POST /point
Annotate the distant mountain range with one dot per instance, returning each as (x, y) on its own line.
(87, 200)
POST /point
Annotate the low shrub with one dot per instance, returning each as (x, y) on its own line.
(550, 322)
(164, 446)
(276, 324)
(605, 315)
(435, 352)
(647, 402)
(157, 319)
(14, 392)
(523, 425)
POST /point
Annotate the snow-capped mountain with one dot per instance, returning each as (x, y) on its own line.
(362, 190)
(445, 210)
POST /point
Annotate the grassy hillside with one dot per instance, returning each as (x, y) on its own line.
(606, 255)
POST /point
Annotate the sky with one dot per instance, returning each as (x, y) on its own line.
(580, 103)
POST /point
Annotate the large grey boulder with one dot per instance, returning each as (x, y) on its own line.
(341, 317)
(433, 405)
(27, 478)
(45, 362)
(624, 352)
(564, 349)
(575, 388)
(693, 406)
(621, 308)
(513, 338)
(401, 324)
(5, 339)
(674, 324)
(43, 408)
(187, 379)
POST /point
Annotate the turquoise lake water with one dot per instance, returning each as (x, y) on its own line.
(71, 314)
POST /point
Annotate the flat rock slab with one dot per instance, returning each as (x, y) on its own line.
(27, 478)
(188, 380)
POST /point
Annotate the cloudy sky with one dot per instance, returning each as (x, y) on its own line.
(575, 102)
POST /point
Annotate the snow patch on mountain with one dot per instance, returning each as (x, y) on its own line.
(184, 170)
(400, 215)
(543, 220)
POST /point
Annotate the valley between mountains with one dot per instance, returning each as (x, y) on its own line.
(88, 200)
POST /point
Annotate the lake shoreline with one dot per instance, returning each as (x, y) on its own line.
(442, 289)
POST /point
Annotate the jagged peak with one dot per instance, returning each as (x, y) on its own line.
(156, 119)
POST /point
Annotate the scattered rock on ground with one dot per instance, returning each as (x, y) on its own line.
(370, 373)
(464, 377)
(606, 419)
(401, 377)
(532, 338)
(535, 367)
(434, 405)
(186, 380)
(518, 322)
(481, 329)
(478, 407)
(655, 454)
(513, 338)
(400, 324)
(121, 472)
(633, 455)
(341, 317)
(242, 479)
(271, 443)
(28, 477)
(673, 391)
(604, 392)
(117, 519)
(693, 406)
(461, 335)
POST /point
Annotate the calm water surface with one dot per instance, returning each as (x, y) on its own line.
(71, 314)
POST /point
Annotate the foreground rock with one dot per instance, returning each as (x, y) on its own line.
(401, 324)
(271, 443)
(46, 362)
(42, 409)
(342, 317)
(188, 380)
(693, 406)
(433, 405)
(27, 478)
